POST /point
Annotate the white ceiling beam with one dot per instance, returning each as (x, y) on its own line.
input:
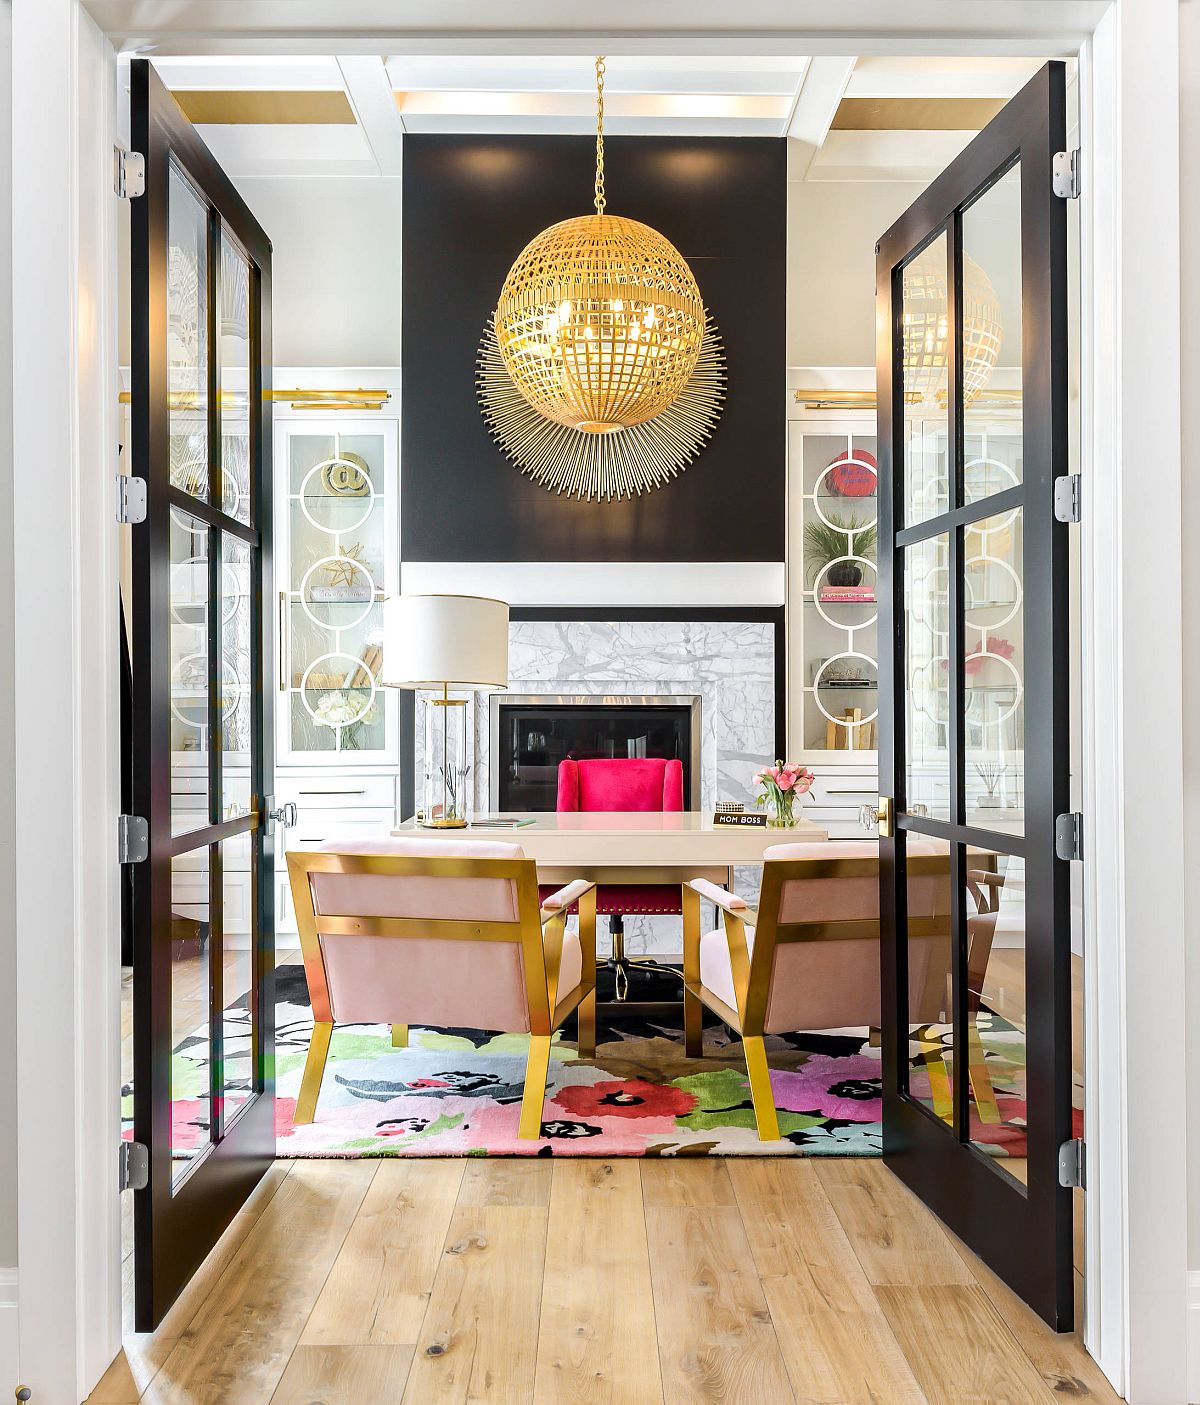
(817, 98)
(567, 74)
(886, 155)
(697, 106)
(680, 27)
(374, 104)
(284, 150)
(940, 77)
(518, 125)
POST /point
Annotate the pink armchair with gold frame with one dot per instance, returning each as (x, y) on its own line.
(808, 959)
(397, 931)
(624, 784)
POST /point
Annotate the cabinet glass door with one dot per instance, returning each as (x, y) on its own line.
(338, 517)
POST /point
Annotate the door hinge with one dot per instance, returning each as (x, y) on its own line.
(131, 499)
(1072, 1164)
(133, 1167)
(1068, 497)
(133, 839)
(1064, 174)
(129, 173)
(1068, 836)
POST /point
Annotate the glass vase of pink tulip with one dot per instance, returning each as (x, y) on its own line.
(781, 784)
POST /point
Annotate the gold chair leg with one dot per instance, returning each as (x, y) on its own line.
(314, 1071)
(586, 1014)
(939, 1079)
(693, 1025)
(536, 1069)
(981, 1080)
(760, 1087)
(399, 1036)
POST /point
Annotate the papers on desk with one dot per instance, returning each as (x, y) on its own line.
(499, 822)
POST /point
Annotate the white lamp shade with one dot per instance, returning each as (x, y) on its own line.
(433, 640)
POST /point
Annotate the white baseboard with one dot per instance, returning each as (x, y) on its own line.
(1193, 1338)
(9, 1377)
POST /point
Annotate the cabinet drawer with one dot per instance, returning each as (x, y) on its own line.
(314, 827)
(843, 792)
(339, 792)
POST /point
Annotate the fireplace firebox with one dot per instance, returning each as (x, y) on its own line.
(532, 733)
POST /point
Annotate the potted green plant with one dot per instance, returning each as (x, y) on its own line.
(829, 539)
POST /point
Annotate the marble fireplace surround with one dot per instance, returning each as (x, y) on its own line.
(730, 663)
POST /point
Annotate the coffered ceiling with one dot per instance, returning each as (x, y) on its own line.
(867, 118)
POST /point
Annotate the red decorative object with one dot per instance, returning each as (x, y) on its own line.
(853, 474)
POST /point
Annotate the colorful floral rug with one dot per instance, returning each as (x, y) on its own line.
(457, 1092)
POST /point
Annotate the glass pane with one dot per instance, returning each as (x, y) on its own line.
(996, 1005)
(187, 335)
(234, 330)
(925, 382)
(336, 529)
(991, 233)
(994, 673)
(237, 678)
(189, 673)
(191, 1043)
(927, 676)
(239, 1073)
(840, 609)
(930, 964)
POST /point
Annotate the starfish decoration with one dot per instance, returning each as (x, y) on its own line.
(346, 565)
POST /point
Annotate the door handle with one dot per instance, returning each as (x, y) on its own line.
(284, 651)
(878, 819)
(285, 814)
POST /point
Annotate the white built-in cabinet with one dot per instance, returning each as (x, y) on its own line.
(337, 557)
(832, 608)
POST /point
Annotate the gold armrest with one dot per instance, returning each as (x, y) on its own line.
(724, 899)
(556, 904)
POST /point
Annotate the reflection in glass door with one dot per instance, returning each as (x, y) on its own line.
(974, 687)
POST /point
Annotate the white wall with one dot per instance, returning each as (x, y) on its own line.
(1189, 164)
(335, 267)
(832, 229)
(8, 973)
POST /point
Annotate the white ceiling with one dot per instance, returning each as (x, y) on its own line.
(695, 94)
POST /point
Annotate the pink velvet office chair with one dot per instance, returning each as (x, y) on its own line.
(647, 784)
(808, 958)
(401, 930)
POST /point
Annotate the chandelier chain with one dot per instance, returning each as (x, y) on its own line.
(600, 201)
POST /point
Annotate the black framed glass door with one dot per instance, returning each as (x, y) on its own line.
(974, 744)
(201, 706)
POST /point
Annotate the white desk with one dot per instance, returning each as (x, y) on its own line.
(634, 847)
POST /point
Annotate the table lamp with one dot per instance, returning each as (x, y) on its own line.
(444, 641)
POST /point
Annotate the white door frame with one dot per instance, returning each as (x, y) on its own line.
(66, 570)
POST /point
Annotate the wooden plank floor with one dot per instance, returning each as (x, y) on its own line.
(804, 1282)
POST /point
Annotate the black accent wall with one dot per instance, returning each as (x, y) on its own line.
(471, 203)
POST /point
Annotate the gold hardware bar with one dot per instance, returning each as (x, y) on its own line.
(865, 399)
(299, 399)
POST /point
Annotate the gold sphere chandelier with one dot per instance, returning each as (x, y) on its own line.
(599, 322)
(926, 319)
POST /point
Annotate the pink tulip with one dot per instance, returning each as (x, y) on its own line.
(786, 781)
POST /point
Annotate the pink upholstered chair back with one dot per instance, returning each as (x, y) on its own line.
(621, 783)
(388, 900)
(819, 980)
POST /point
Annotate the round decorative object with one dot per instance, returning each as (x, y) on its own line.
(926, 329)
(853, 474)
(844, 575)
(332, 497)
(835, 671)
(595, 466)
(600, 322)
(347, 476)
